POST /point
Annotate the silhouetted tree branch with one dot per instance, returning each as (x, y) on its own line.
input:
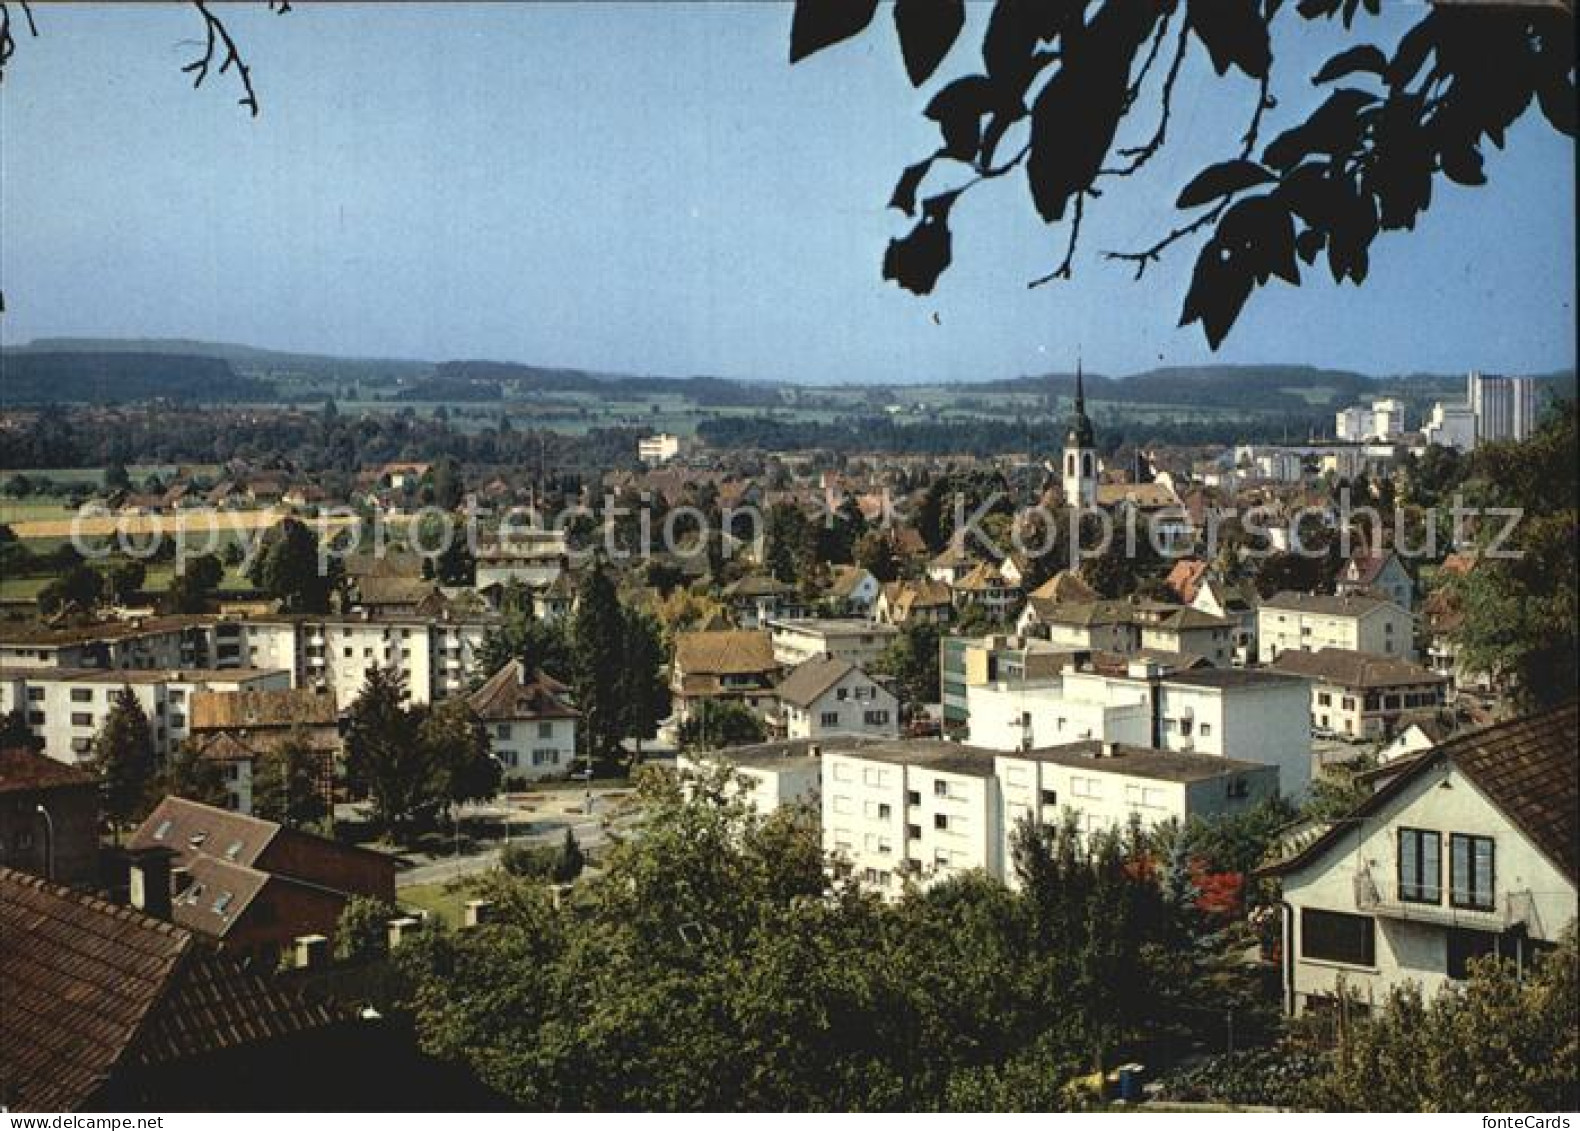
(1072, 72)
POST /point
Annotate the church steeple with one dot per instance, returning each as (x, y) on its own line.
(1080, 455)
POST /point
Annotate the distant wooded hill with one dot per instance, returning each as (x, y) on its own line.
(118, 370)
(28, 377)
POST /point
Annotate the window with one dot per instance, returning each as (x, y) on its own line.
(81, 719)
(1206, 730)
(941, 821)
(912, 797)
(163, 830)
(82, 695)
(545, 730)
(913, 832)
(502, 730)
(1420, 866)
(940, 788)
(35, 694)
(829, 719)
(875, 718)
(884, 811)
(1331, 936)
(1049, 797)
(1465, 944)
(1470, 872)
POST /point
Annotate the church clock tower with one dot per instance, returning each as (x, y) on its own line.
(1080, 452)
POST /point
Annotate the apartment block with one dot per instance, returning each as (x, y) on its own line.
(1304, 622)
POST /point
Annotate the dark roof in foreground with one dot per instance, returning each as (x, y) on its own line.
(89, 989)
(22, 769)
(1529, 768)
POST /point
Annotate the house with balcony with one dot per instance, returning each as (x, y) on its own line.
(1359, 696)
(1468, 849)
(726, 665)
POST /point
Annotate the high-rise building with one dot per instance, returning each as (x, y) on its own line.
(1504, 407)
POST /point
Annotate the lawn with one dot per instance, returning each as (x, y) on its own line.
(446, 900)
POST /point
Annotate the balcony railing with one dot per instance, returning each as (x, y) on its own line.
(1509, 909)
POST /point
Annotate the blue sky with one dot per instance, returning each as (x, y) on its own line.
(654, 189)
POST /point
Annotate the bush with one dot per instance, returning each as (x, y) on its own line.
(1265, 1077)
(530, 861)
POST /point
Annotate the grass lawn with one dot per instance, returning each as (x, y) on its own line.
(446, 900)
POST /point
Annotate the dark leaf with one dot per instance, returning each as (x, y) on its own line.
(1414, 47)
(958, 109)
(917, 259)
(1557, 99)
(1462, 165)
(1014, 32)
(1219, 287)
(1362, 58)
(927, 29)
(1332, 128)
(1317, 9)
(1221, 180)
(1308, 244)
(1234, 33)
(904, 197)
(1077, 111)
(820, 23)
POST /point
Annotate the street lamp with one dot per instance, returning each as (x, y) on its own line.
(49, 841)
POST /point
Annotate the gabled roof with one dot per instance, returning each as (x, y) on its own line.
(906, 596)
(191, 829)
(846, 579)
(983, 576)
(810, 680)
(513, 693)
(1065, 587)
(1349, 668)
(1365, 568)
(1185, 578)
(242, 710)
(757, 585)
(89, 989)
(1528, 768)
(730, 652)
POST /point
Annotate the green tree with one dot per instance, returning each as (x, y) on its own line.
(80, 587)
(597, 639)
(124, 581)
(913, 662)
(449, 488)
(875, 554)
(571, 860)
(192, 587)
(644, 689)
(385, 760)
(456, 746)
(288, 569)
(287, 784)
(363, 929)
(1495, 1042)
(123, 756)
(186, 773)
(715, 724)
(15, 732)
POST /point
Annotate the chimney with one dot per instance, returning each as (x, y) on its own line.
(478, 912)
(311, 952)
(1108, 750)
(148, 875)
(400, 929)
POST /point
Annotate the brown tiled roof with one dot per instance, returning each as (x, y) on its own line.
(1351, 605)
(511, 694)
(22, 770)
(729, 652)
(378, 590)
(88, 989)
(1364, 568)
(808, 681)
(1185, 578)
(758, 585)
(192, 829)
(216, 894)
(1349, 668)
(1529, 768)
(1063, 587)
(983, 576)
(234, 710)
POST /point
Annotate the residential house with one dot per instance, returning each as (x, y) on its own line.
(859, 641)
(236, 728)
(1465, 850)
(255, 886)
(853, 590)
(49, 817)
(914, 602)
(1360, 696)
(758, 598)
(1380, 574)
(986, 587)
(731, 665)
(1304, 622)
(1066, 587)
(826, 695)
(531, 722)
(951, 564)
(1185, 579)
(1236, 603)
(110, 1009)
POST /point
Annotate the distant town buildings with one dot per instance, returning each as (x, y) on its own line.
(658, 448)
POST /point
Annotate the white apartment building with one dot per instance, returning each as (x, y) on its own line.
(1238, 715)
(768, 775)
(859, 642)
(66, 707)
(924, 810)
(1459, 853)
(1382, 421)
(1108, 784)
(661, 447)
(1303, 622)
(1451, 426)
(825, 696)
